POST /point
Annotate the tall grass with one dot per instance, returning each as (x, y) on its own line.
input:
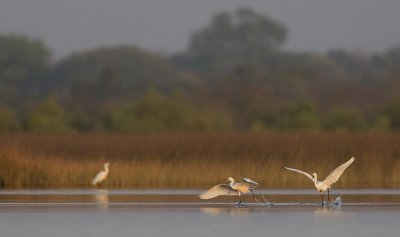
(198, 160)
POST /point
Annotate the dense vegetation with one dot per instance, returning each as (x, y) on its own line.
(198, 160)
(234, 75)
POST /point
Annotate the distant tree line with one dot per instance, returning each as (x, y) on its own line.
(234, 74)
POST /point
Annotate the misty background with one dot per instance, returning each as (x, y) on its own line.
(156, 66)
(166, 25)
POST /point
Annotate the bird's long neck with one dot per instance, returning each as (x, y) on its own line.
(231, 183)
(315, 179)
(106, 169)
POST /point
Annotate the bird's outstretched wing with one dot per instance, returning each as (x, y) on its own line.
(301, 172)
(252, 183)
(217, 190)
(335, 174)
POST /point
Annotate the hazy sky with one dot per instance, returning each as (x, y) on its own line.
(166, 25)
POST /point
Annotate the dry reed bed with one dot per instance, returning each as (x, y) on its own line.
(198, 160)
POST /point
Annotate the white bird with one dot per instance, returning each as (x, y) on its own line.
(102, 175)
(323, 186)
(231, 189)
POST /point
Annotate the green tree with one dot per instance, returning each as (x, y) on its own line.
(124, 68)
(48, 117)
(243, 33)
(92, 79)
(156, 112)
(392, 59)
(8, 121)
(23, 64)
(233, 38)
(392, 112)
(342, 118)
(298, 115)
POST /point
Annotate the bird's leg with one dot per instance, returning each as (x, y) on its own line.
(240, 200)
(322, 198)
(328, 195)
(255, 199)
(266, 201)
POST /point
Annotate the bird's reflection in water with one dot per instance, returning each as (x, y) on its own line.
(231, 211)
(322, 211)
(101, 198)
(331, 212)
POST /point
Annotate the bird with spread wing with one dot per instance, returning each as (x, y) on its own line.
(325, 185)
(231, 189)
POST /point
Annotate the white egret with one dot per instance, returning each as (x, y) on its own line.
(102, 175)
(231, 189)
(323, 186)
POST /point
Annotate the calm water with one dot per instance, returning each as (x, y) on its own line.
(178, 213)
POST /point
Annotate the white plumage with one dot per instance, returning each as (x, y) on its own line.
(231, 189)
(218, 190)
(333, 177)
(102, 175)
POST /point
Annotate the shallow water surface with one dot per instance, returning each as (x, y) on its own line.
(178, 213)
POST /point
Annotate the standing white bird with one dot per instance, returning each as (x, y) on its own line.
(323, 186)
(102, 175)
(231, 189)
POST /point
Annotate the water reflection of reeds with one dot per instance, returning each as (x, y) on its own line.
(103, 199)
